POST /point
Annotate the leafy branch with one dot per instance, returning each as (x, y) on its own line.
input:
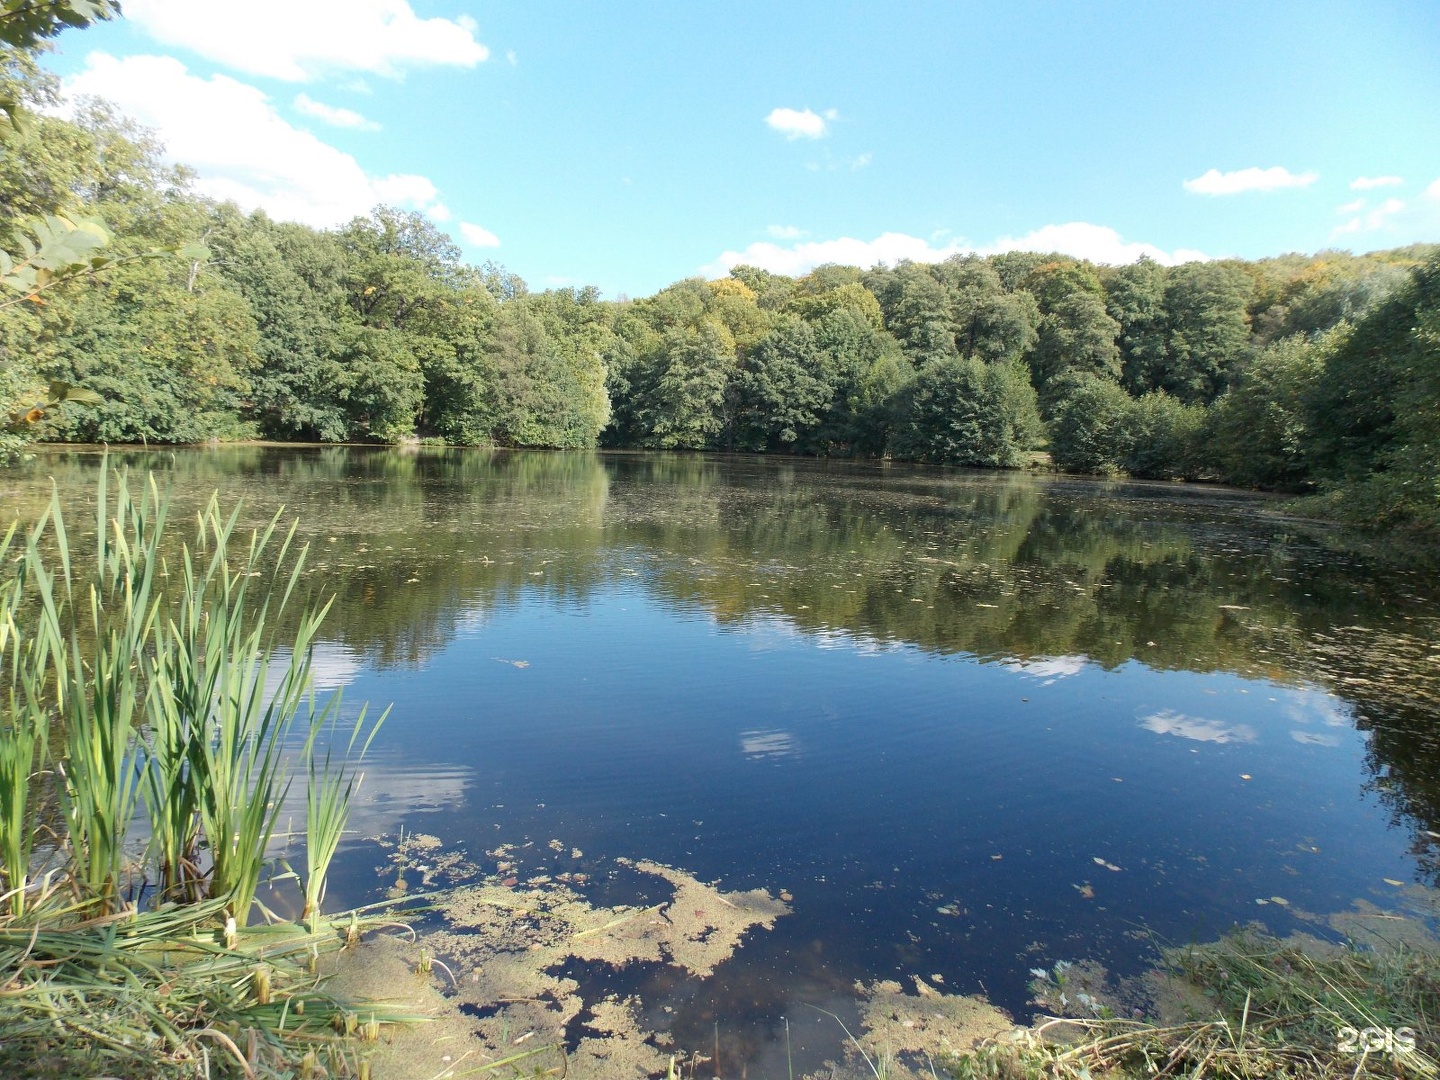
(25, 25)
(64, 249)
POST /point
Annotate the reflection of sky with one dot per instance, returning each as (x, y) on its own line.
(770, 631)
(767, 744)
(393, 789)
(1168, 722)
(388, 791)
(757, 753)
(1048, 668)
(1312, 705)
(333, 666)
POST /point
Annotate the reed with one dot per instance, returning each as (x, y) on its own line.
(328, 792)
(140, 692)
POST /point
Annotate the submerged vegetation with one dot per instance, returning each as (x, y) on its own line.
(152, 707)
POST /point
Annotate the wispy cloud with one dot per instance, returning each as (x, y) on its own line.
(1275, 178)
(1371, 220)
(800, 123)
(330, 114)
(1351, 207)
(478, 235)
(297, 42)
(1365, 183)
(784, 232)
(1098, 243)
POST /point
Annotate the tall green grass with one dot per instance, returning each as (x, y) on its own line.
(154, 700)
(170, 690)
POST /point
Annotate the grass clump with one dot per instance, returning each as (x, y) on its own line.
(146, 694)
(1305, 1011)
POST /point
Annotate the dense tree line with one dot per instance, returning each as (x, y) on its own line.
(1298, 373)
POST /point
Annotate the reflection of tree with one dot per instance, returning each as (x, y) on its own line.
(416, 544)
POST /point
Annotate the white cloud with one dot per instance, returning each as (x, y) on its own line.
(240, 147)
(330, 114)
(1351, 207)
(478, 236)
(1372, 220)
(1365, 183)
(861, 161)
(511, 57)
(283, 39)
(784, 232)
(799, 123)
(1215, 182)
(1097, 243)
(1399, 220)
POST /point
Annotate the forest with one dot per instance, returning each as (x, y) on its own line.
(1309, 374)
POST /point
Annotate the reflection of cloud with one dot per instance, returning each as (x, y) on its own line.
(767, 744)
(1049, 668)
(333, 666)
(1169, 722)
(1306, 706)
(1310, 738)
(391, 791)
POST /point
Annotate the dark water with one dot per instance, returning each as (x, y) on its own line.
(887, 690)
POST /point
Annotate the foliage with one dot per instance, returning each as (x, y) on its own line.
(1091, 431)
(1277, 1009)
(1375, 409)
(378, 331)
(25, 26)
(121, 694)
(1259, 432)
(960, 410)
(1162, 433)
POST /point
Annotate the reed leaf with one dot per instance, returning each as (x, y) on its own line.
(328, 791)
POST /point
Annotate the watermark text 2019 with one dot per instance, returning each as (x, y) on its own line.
(1375, 1040)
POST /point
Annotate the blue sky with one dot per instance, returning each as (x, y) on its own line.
(628, 145)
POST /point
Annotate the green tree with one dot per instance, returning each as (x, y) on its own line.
(1206, 305)
(685, 404)
(291, 277)
(169, 357)
(1135, 298)
(1258, 433)
(783, 390)
(987, 321)
(1375, 411)
(1160, 437)
(1090, 431)
(958, 410)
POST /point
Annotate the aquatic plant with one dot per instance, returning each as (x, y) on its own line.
(1277, 1009)
(127, 686)
(328, 792)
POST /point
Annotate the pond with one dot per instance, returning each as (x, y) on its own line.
(956, 725)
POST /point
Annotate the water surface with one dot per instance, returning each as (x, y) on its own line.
(972, 722)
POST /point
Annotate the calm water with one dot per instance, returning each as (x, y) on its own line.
(887, 690)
